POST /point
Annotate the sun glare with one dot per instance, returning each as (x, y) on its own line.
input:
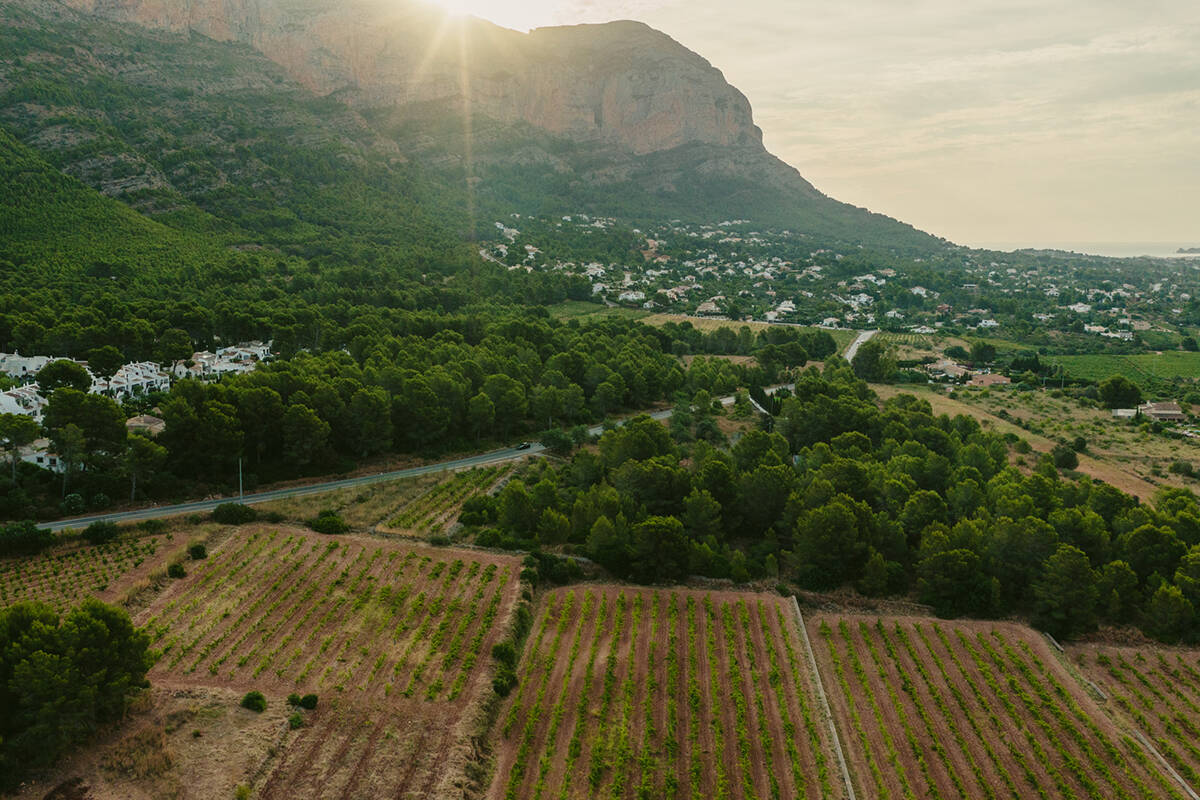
(521, 15)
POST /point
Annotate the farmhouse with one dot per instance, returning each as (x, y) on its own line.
(948, 369)
(1163, 412)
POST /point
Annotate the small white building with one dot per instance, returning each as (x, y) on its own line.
(39, 454)
(19, 366)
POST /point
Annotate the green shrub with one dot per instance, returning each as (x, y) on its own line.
(72, 505)
(234, 514)
(152, 526)
(505, 680)
(242, 792)
(176, 571)
(505, 653)
(255, 701)
(1064, 457)
(293, 699)
(296, 720)
(101, 532)
(329, 522)
(1182, 468)
(309, 701)
(198, 551)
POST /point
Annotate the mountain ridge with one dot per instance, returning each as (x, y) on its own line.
(612, 119)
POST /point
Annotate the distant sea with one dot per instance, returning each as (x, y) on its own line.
(1112, 249)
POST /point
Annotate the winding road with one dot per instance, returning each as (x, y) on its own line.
(858, 342)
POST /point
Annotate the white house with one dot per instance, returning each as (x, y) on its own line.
(19, 366)
(23, 400)
(39, 454)
(138, 378)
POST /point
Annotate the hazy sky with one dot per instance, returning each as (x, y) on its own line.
(985, 121)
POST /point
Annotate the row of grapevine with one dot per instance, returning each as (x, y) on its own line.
(935, 710)
(1159, 692)
(352, 615)
(428, 513)
(64, 577)
(676, 694)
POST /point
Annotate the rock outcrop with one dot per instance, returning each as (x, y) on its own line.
(620, 84)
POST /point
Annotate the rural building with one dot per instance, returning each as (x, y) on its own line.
(989, 379)
(1163, 412)
(948, 369)
(1125, 413)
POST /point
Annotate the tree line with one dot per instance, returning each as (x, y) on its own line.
(888, 498)
(421, 385)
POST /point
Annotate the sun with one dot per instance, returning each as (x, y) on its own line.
(522, 15)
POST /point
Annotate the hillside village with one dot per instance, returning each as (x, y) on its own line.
(132, 380)
(731, 269)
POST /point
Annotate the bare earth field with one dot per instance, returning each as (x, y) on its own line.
(933, 709)
(177, 743)
(1155, 690)
(630, 692)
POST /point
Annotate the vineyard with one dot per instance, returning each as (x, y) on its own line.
(1158, 691)
(431, 512)
(1138, 368)
(938, 710)
(394, 639)
(360, 506)
(671, 694)
(64, 577)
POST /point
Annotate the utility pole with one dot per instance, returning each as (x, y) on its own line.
(241, 494)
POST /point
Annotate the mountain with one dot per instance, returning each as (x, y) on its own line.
(614, 119)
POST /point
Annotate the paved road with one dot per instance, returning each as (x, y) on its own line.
(862, 339)
(202, 506)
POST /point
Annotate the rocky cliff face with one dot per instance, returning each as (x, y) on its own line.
(621, 84)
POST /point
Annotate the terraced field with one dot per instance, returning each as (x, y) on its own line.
(664, 694)
(933, 709)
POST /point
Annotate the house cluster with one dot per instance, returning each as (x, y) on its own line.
(946, 369)
(227, 361)
(131, 380)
